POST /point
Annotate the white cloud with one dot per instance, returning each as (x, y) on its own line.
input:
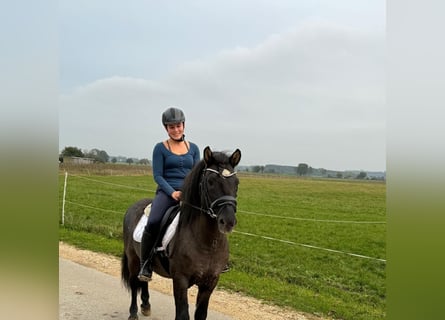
(289, 97)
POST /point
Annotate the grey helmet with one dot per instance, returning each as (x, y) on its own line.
(172, 115)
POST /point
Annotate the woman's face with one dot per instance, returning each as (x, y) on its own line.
(176, 130)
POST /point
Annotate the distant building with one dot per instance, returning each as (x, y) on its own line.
(78, 160)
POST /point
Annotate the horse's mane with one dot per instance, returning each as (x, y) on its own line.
(190, 188)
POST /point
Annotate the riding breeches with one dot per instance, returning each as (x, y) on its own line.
(159, 206)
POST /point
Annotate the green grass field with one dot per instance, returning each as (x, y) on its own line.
(313, 245)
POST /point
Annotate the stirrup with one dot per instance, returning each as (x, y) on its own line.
(144, 278)
(145, 274)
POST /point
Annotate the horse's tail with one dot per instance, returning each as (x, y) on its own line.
(125, 271)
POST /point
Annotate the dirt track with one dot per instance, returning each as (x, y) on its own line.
(241, 307)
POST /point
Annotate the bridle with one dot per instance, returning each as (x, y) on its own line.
(212, 208)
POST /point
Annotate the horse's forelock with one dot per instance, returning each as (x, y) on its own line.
(220, 158)
(190, 188)
(191, 183)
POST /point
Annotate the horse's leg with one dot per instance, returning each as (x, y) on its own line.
(135, 284)
(145, 295)
(134, 298)
(202, 301)
(180, 286)
(128, 274)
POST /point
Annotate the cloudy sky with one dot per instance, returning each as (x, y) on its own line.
(286, 82)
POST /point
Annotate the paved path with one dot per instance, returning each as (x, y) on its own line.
(88, 294)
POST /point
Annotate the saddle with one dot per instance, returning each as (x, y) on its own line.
(167, 227)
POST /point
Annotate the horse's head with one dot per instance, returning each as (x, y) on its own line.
(219, 187)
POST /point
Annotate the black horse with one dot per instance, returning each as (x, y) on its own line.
(199, 250)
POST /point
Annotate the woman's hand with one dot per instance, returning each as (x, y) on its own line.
(176, 195)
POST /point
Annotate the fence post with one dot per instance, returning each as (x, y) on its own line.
(63, 201)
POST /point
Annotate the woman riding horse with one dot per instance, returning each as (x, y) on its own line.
(172, 161)
(199, 250)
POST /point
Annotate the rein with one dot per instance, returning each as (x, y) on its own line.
(213, 209)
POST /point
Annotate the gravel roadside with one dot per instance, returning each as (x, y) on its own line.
(233, 304)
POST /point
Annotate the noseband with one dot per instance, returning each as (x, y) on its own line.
(219, 203)
(215, 206)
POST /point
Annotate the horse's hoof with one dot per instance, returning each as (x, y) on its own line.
(146, 311)
(133, 317)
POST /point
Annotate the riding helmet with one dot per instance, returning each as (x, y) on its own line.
(172, 115)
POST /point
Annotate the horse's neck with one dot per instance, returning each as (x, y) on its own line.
(205, 230)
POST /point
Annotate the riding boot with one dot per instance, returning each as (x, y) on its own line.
(147, 251)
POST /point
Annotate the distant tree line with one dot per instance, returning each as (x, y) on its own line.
(303, 169)
(97, 155)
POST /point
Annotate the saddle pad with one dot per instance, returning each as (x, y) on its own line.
(139, 230)
(169, 233)
(137, 233)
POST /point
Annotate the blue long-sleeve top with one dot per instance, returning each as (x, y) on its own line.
(169, 169)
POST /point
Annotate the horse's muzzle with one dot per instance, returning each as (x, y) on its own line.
(226, 226)
(226, 219)
(223, 210)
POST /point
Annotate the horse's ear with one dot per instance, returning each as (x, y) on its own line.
(235, 158)
(208, 155)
